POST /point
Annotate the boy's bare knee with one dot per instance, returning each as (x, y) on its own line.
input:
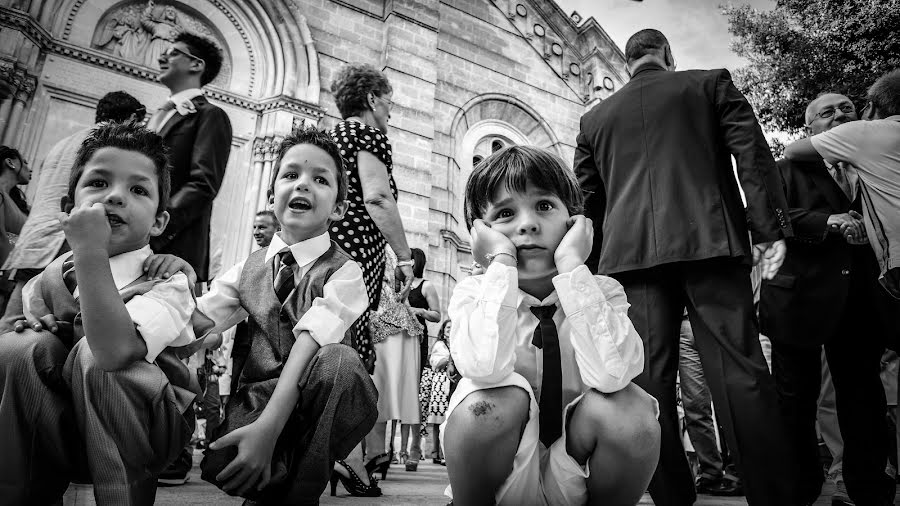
(624, 420)
(492, 412)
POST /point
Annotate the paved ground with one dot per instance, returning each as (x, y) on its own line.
(424, 487)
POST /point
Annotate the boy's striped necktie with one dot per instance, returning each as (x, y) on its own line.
(284, 279)
(68, 269)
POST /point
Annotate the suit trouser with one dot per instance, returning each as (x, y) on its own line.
(697, 405)
(854, 354)
(826, 415)
(719, 300)
(61, 415)
(338, 406)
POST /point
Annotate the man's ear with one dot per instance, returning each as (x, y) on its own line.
(159, 224)
(340, 208)
(668, 57)
(66, 204)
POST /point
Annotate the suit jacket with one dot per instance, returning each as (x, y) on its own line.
(805, 302)
(654, 160)
(199, 145)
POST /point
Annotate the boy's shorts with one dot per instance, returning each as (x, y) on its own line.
(540, 476)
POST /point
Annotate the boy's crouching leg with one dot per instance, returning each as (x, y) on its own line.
(480, 442)
(39, 443)
(338, 407)
(618, 436)
(131, 424)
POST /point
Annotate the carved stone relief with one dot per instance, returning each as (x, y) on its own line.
(140, 32)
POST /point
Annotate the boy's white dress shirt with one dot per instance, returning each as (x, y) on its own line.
(491, 347)
(330, 316)
(162, 316)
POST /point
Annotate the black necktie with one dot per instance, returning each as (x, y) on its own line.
(68, 269)
(284, 279)
(547, 339)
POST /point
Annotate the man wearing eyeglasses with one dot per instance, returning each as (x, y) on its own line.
(198, 135)
(826, 295)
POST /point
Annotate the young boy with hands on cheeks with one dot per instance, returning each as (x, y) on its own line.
(546, 412)
(300, 399)
(94, 383)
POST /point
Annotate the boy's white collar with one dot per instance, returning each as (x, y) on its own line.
(126, 267)
(304, 251)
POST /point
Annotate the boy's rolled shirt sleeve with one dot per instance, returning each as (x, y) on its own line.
(344, 300)
(608, 349)
(222, 303)
(841, 143)
(162, 315)
(483, 312)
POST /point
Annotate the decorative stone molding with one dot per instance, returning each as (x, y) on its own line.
(454, 240)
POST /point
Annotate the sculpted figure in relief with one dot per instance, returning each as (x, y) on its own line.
(161, 22)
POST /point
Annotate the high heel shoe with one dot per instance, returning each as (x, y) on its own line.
(379, 464)
(403, 457)
(353, 484)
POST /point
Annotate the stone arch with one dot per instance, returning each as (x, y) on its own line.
(269, 43)
(491, 116)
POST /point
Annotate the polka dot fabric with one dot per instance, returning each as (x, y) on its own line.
(357, 234)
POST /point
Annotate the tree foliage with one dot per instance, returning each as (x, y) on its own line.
(805, 47)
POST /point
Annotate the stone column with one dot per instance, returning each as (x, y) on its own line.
(409, 61)
(24, 86)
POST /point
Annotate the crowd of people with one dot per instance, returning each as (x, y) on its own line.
(678, 267)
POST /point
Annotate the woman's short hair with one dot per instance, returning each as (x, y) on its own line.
(513, 168)
(418, 257)
(352, 86)
(7, 152)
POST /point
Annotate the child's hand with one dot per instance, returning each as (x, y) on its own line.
(86, 227)
(487, 241)
(252, 468)
(160, 266)
(576, 245)
(47, 322)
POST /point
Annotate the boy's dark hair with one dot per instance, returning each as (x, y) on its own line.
(129, 136)
(513, 168)
(352, 85)
(418, 257)
(205, 49)
(119, 106)
(312, 135)
(885, 94)
(644, 42)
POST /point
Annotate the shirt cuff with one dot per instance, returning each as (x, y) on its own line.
(577, 289)
(500, 285)
(323, 325)
(153, 322)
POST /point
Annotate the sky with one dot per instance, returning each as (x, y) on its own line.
(696, 29)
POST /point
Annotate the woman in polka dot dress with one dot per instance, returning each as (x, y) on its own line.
(363, 96)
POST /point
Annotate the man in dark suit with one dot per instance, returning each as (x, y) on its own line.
(198, 135)
(655, 162)
(827, 293)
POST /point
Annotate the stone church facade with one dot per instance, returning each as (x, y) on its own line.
(469, 76)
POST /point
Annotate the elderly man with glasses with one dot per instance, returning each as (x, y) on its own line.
(826, 295)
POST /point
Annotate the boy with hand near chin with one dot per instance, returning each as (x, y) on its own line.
(101, 393)
(545, 412)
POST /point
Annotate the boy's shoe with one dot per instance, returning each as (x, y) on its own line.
(721, 487)
(177, 472)
(840, 497)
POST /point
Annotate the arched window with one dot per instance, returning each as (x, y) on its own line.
(476, 160)
(496, 145)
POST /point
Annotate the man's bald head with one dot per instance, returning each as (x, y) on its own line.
(827, 111)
